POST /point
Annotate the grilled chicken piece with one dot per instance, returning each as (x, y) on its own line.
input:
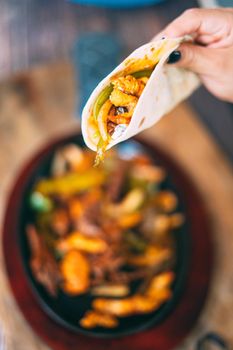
(75, 270)
(154, 255)
(138, 304)
(119, 98)
(127, 84)
(93, 319)
(157, 293)
(77, 240)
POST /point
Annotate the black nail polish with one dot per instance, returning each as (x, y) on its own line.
(174, 57)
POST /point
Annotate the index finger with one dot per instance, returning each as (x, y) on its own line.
(206, 24)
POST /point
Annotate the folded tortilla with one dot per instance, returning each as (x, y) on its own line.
(167, 86)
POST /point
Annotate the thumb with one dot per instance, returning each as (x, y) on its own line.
(195, 58)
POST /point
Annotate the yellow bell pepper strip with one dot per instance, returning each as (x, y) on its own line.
(101, 148)
(71, 183)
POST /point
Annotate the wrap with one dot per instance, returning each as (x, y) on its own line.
(165, 88)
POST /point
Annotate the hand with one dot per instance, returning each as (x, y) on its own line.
(211, 54)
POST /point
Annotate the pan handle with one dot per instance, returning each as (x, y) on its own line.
(211, 338)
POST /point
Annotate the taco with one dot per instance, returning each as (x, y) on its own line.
(135, 95)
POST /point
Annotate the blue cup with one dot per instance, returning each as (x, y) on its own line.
(117, 3)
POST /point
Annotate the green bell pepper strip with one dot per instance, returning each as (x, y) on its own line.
(143, 73)
(40, 203)
(135, 242)
(71, 183)
(103, 96)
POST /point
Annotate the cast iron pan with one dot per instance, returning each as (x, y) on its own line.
(165, 326)
(68, 310)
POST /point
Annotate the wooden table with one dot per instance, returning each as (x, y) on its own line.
(39, 105)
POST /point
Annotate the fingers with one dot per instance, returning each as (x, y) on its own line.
(214, 66)
(200, 21)
(188, 23)
(210, 26)
(198, 59)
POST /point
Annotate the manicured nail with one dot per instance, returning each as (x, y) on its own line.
(174, 57)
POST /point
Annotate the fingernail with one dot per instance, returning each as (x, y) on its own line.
(174, 57)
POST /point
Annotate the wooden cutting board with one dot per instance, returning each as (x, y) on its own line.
(39, 105)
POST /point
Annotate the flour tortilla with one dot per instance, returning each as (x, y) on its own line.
(166, 87)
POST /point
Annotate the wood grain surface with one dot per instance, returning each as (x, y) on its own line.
(38, 105)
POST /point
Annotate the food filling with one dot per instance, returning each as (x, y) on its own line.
(104, 235)
(114, 107)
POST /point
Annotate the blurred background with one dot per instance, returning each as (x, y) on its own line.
(52, 54)
(37, 32)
